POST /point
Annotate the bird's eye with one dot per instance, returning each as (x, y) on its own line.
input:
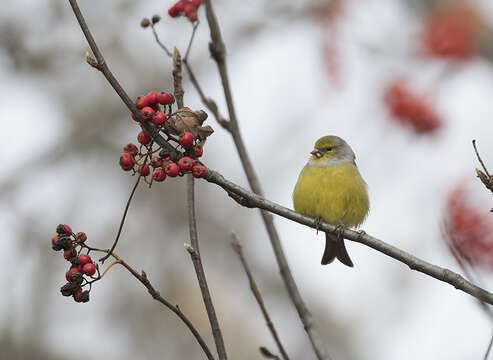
(329, 149)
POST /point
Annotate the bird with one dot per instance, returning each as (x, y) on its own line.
(331, 189)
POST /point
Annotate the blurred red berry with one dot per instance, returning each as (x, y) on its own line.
(165, 98)
(172, 169)
(68, 229)
(411, 109)
(174, 11)
(469, 230)
(69, 253)
(141, 102)
(159, 118)
(78, 295)
(452, 31)
(192, 16)
(147, 113)
(131, 149)
(159, 175)
(80, 237)
(89, 269)
(144, 137)
(185, 164)
(198, 171)
(143, 170)
(72, 274)
(126, 161)
(54, 239)
(196, 3)
(186, 140)
(83, 259)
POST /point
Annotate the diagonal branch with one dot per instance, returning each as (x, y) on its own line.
(238, 248)
(218, 52)
(157, 296)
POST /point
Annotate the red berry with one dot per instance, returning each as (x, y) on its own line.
(173, 11)
(185, 164)
(54, 239)
(159, 118)
(84, 259)
(198, 171)
(141, 102)
(192, 16)
(198, 151)
(186, 140)
(78, 295)
(180, 5)
(143, 170)
(165, 98)
(80, 237)
(172, 169)
(156, 162)
(133, 117)
(196, 3)
(89, 269)
(188, 9)
(144, 137)
(151, 98)
(126, 161)
(159, 175)
(68, 229)
(131, 149)
(69, 254)
(72, 274)
(147, 113)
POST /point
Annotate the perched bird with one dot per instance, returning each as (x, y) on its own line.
(330, 188)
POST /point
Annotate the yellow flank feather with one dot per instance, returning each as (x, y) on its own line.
(335, 193)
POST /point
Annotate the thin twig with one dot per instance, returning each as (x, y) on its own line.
(412, 261)
(115, 242)
(195, 24)
(174, 308)
(488, 350)
(156, 37)
(218, 52)
(479, 158)
(235, 243)
(194, 252)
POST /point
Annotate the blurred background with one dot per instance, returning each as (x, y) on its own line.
(408, 84)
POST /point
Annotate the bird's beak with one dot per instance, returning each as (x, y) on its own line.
(316, 153)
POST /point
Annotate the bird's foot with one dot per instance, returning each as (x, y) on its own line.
(339, 230)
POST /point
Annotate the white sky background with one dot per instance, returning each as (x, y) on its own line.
(284, 103)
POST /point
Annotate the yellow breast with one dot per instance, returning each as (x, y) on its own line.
(335, 193)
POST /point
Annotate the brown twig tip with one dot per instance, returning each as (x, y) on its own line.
(235, 243)
(479, 158)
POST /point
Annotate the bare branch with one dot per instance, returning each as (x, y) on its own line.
(157, 296)
(235, 243)
(412, 261)
(194, 252)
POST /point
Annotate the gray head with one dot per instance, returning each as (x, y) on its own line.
(329, 150)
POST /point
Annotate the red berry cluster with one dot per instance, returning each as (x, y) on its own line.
(142, 159)
(80, 264)
(469, 233)
(411, 109)
(185, 7)
(452, 32)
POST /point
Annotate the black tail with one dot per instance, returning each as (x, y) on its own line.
(335, 248)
